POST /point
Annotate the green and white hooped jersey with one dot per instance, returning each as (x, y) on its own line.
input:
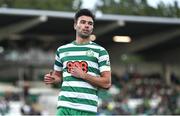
(75, 92)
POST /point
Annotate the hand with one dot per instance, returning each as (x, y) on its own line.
(77, 72)
(49, 78)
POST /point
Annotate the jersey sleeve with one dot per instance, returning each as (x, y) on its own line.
(58, 66)
(104, 61)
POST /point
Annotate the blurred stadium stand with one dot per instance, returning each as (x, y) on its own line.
(145, 72)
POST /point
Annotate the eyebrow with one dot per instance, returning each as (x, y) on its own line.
(87, 21)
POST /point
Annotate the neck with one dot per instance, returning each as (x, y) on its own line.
(80, 40)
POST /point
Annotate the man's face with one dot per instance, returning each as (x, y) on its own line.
(84, 26)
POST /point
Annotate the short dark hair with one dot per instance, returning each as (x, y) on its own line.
(85, 12)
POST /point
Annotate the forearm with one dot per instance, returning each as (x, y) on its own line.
(57, 77)
(102, 82)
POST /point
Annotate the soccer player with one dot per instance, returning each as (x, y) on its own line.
(83, 67)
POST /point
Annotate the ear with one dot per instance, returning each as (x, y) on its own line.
(75, 24)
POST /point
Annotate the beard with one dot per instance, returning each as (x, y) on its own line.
(84, 35)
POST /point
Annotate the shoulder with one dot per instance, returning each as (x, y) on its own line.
(97, 46)
(101, 49)
(64, 46)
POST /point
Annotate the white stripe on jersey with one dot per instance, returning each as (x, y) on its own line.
(93, 74)
(103, 58)
(105, 68)
(78, 84)
(79, 95)
(77, 53)
(65, 74)
(57, 68)
(78, 106)
(57, 58)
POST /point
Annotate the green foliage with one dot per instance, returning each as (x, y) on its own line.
(139, 7)
(169, 10)
(58, 5)
(123, 7)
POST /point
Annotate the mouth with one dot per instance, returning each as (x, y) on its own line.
(85, 31)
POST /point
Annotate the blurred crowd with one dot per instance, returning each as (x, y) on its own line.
(131, 94)
(26, 104)
(136, 94)
(4, 106)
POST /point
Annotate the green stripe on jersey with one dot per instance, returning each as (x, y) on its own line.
(61, 50)
(76, 58)
(58, 63)
(79, 89)
(103, 63)
(93, 70)
(57, 53)
(103, 52)
(71, 78)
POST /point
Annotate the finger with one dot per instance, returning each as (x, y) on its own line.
(51, 72)
(47, 76)
(75, 69)
(72, 70)
(48, 82)
(77, 66)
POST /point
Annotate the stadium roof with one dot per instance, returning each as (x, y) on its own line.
(156, 38)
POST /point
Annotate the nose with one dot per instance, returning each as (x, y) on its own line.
(86, 25)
